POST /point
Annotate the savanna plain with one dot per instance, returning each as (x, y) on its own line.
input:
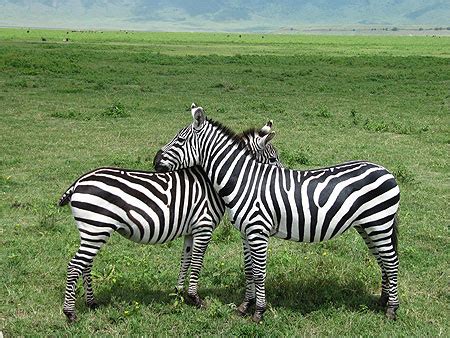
(114, 98)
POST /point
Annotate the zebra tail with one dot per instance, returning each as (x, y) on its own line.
(395, 234)
(65, 198)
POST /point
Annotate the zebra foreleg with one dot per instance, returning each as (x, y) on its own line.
(258, 244)
(185, 262)
(249, 299)
(199, 246)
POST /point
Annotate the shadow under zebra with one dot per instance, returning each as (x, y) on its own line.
(301, 295)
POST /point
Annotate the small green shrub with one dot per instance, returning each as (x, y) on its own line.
(226, 86)
(67, 115)
(403, 175)
(117, 110)
(324, 112)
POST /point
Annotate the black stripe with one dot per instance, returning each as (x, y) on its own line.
(97, 209)
(96, 223)
(90, 233)
(298, 204)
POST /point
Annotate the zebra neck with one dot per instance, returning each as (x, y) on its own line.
(224, 158)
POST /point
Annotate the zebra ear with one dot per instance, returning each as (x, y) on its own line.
(263, 141)
(267, 128)
(198, 115)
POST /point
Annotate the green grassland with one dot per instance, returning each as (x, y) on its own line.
(113, 98)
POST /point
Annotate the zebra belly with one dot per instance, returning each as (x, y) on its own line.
(307, 238)
(136, 237)
(152, 231)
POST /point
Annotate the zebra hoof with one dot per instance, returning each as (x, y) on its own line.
(257, 317)
(390, 313)
(71, 316)
(92, 305)
(242, 309)
(201, 304)
(197, 301)
(383, 300)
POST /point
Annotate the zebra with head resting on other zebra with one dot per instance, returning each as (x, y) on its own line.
(149, 207)
(306, 206)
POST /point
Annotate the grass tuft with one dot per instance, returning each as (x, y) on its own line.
(117, 110)
(403, 175)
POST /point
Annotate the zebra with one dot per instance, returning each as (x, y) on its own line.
(149, 207)
(305, 206)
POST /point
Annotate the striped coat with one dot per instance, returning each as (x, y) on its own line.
(307, 206)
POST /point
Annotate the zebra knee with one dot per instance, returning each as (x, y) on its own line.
(259, 279)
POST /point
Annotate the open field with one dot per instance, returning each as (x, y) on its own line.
(112, 99)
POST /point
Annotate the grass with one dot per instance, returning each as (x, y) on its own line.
(114, 98)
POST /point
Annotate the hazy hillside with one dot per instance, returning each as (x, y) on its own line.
(252, 15)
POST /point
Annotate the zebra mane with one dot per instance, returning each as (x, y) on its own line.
(237, 138)
(249, 132)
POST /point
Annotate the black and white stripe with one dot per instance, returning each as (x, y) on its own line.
(306, 206)
(145, 207)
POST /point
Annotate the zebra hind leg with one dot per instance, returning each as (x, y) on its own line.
(200, 244)
(73, 273)
(81, 263)
(384, 281)
(249, 299)
(384, 239)
(87, 284)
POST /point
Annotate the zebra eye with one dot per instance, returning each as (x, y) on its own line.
(272, 159)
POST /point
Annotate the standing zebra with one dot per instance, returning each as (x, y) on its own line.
(148, 207)
(305, 206)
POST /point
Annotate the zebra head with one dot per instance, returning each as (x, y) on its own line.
(183, 151)
(258, 141)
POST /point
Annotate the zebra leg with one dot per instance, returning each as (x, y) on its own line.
(258, 250)
(384, 281)
(87, 284)
(73, 272)
(185, 262)
(384, 240)
(91, 242)
(390, 262)
(249, 299)
(200, 244)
